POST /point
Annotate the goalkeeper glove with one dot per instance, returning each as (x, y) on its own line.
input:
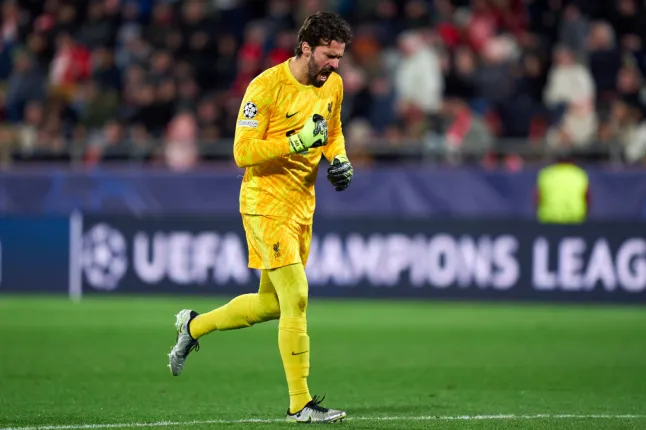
(312, 135)
(340, 172)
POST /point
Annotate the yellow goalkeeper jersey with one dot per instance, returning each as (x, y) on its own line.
(276, 105)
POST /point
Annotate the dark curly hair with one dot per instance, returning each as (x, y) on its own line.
(322, 28)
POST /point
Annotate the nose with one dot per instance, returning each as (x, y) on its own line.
(334, 63)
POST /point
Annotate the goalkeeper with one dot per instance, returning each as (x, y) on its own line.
(290, 116)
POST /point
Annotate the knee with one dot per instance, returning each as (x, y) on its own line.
(301, 303)
(295, 305)
(270, 307)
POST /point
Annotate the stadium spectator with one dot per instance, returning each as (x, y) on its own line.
(573, 30)
(418, 82)
(180, 151)
(26, 83)
(97, 30)
(570, 92)
(466, 132)
(460, 78)
(604, 58)
(28, 134)
(69, 67)
(494, 77)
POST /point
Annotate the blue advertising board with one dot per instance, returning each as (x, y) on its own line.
(34, 254)
(489, 260)
(351, 257)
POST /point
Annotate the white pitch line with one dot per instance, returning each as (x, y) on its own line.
(388, 418)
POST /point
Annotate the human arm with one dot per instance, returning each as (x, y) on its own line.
(250, 146)
(340, 171)
(336, 140)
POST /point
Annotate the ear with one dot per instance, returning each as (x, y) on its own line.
(307, 49)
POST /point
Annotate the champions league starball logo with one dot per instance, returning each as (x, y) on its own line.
(104, 259)
(250, 110)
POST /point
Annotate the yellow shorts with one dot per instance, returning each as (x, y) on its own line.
(275, 242)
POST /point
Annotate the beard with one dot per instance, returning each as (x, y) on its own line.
(317, 76)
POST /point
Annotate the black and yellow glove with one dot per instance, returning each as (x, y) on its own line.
(312, 135)
(340, 172)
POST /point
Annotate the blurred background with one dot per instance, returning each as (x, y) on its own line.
(520, 114)
(494, 82)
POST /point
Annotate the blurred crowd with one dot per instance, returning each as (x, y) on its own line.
(162, 80)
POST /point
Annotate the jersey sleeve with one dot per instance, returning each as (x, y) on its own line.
(336, 140)
(249, 145)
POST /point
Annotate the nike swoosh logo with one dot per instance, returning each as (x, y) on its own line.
(289, 116)
(298, 353)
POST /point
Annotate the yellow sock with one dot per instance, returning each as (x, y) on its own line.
(294, 345)
(243, 311)
(291, 287)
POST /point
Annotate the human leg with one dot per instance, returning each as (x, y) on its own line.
(242, 311)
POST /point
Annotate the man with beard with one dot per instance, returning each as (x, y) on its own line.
(290, 116)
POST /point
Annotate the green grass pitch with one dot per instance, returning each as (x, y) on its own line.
(418, 364)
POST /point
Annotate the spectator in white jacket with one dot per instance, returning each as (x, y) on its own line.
(571, 87)
(419, 82)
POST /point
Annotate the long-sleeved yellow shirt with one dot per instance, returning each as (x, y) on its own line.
(276, 105)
